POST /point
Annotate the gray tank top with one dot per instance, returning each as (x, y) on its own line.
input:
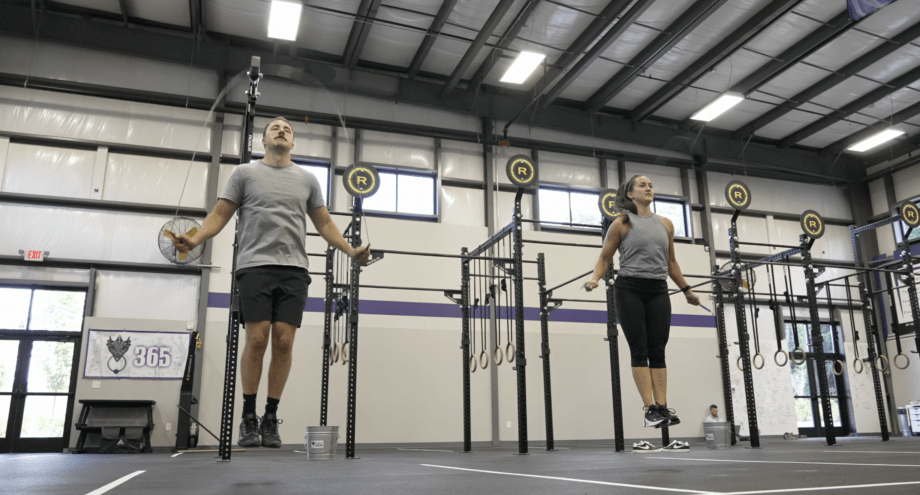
(644, 249)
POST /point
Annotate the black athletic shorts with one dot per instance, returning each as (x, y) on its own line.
(273, 293)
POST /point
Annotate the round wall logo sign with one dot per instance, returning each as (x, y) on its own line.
(361, 180)
(812, 224)
(606, 201)
(522, 171)
(910, 214)
(738, 195)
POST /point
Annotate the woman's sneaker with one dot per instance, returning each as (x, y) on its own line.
(677, 446)
(644, 447)
(654, 418)
(669, 414)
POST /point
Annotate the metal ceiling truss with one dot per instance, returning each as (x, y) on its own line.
(892, 120)
(849, 109)
(504, 43)
(713, 57)
(853, 68)
(433, 31)
(672, 35)
(361, 28)
(491, 23)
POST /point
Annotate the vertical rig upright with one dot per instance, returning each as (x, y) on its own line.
(520, 360)
(908, 278)
(465, 347)
(327, 336)
(817, 339)
(357, 216)
(862, 280)
(544, 351)
(723, 355)
(743, 336)
(233, 327)
(614, 346)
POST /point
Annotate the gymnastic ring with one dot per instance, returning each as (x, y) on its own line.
(738, 363)
(335, 353)
(763, 361)
(509, 352)
(798, 362)
(842, 364)
(331, 362)
(905, 364)
(877, 360)
(344, 353)
(483, 359)
(785, 355)
(858, 369)
(498, 356)
(472, 363)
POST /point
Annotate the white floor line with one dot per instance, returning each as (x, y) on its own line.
(825, 488)
(870, 452)
(429, 450)
(605, 483)
(788, 462)
(100, 491)
(177, 455)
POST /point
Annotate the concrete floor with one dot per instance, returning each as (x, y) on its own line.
(781, 466)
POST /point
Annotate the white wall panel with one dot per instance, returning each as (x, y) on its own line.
(310, 140)
(463, 206)
(750, 229)
(504, 209)
(345, 149)
(81, 234)
(147, 295)
(907, 183)
(48, 171)
(45, 113)
(44, 59)
(4, 152)
(878, 196)
(142, 179)
(572, 170)
(613, 174)
(461, 160)
(784, 196)
(666, 180)
(396, 149)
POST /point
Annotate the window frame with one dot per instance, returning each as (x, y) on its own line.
(410, 171)
(46, 285)
(688, 209)
(570, 227)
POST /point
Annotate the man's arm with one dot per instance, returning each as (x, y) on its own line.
(328, 230)
(213, 224)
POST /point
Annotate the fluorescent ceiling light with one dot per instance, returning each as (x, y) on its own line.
(872, 142)
(522, 67)
(717, 107)
(284, 20)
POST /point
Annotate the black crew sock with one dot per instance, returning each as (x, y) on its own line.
(271, 406)
(249, 404)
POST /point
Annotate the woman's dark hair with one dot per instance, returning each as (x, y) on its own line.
(623, 202)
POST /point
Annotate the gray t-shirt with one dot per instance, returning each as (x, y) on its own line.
(273, 204)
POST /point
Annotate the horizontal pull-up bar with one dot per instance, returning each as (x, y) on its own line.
(439, 255)
(581, 300)
(593, 226)
(569, 244)
(430, 289)
(766, 245)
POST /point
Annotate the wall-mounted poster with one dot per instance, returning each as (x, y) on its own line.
(133, 354)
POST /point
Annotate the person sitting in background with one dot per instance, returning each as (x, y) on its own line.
(713, 416)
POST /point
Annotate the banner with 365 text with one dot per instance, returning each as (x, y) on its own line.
(134, 354)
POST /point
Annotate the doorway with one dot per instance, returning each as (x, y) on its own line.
(40, 334)
(808, 398)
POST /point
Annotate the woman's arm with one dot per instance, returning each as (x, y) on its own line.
(674, 268)
(617, 231)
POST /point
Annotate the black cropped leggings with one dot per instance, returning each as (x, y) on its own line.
(645, 316)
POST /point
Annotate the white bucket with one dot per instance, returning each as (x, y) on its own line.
(321, 441)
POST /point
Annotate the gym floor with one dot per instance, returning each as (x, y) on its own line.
(780, 466)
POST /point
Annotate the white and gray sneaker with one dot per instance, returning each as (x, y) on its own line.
(677, 446)
(644, 447)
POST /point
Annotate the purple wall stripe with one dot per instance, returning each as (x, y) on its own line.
(438, 310)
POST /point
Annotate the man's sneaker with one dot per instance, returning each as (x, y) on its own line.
(269, 430)
(669, 414)
(644, 447)
(249, 431)
(653, 418)
(677, 446)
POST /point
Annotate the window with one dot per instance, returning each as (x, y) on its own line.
(406, 193)
(319, 168)
(43, 309)
(674, 210)
(568, 206)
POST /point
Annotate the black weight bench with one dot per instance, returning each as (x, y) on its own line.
(115, 426)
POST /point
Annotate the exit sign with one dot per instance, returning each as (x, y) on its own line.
(34, 255)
